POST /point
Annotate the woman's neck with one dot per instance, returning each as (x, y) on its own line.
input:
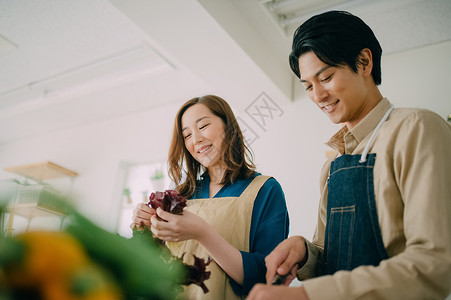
(216, 174)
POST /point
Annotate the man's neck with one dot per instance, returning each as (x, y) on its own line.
(374, 97)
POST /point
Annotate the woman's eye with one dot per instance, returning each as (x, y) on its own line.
(308, 88)
(187, 136)
(203, 126)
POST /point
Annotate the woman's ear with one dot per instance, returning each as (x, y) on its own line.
(366, 61)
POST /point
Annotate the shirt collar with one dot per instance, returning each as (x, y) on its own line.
(367, 125)
(362, 129)
(337, 141)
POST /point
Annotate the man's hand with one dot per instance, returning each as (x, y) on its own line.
(284, 258)
(268, 292)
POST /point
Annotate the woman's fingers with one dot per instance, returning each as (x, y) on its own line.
(167, 216)
(140, 224)
(145, 208)
(163, 230)
(170, 227)
(163, 234)
(141, 216)
(143, 211)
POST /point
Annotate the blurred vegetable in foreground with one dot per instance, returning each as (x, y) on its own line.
(85, 262)
(194, 274)
(52, 265)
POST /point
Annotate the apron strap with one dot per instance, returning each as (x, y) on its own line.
(370, 142)
(254, 187)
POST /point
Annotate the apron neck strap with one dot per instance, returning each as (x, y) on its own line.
(254, 187)
(370, 142)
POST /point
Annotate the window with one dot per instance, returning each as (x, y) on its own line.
(140, 181)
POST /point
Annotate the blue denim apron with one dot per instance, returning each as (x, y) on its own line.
(353, 237)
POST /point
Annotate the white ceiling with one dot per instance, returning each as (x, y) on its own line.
(66, 63)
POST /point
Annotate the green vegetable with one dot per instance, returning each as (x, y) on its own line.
(137, 266)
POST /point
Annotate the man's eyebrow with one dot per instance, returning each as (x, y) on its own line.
(197, 121)
(319, 72)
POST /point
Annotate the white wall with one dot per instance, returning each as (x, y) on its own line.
(291, 149)
(419, 78)
(95, 152)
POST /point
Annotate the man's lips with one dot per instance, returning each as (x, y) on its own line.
(329, 107)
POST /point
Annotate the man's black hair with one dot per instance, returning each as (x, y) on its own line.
(337, 38)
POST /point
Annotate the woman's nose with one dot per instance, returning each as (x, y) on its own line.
(197, 137)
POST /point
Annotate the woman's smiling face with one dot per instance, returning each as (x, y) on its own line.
(204, 134)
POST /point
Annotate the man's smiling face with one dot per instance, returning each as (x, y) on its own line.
(338, 91)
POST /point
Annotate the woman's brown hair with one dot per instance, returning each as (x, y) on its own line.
(236, 155)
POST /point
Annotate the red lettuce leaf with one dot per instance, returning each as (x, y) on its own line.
(169, 201)
(173, 202)
(198, 273)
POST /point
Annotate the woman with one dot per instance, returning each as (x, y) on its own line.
(234, 215)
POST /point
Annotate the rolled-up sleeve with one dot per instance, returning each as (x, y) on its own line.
(310, 268)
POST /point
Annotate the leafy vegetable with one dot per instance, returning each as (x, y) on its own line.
(139, 267)
(194, 274)
(173, 202)
(197, 273)
(169, 201)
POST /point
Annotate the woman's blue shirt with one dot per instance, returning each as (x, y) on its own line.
(269, 225)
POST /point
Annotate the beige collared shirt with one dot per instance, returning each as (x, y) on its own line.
(412, 186)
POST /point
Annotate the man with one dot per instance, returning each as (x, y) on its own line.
(384, 221)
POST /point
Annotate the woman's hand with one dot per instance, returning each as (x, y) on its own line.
(141, 216)
(285, 258)
(177, 228)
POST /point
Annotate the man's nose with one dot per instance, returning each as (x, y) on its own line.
(319, 94)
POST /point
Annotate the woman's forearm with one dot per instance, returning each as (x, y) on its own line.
(224, 254)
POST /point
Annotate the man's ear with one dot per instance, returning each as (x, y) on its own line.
(365, 61)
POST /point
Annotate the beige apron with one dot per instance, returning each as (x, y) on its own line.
(231, 217)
